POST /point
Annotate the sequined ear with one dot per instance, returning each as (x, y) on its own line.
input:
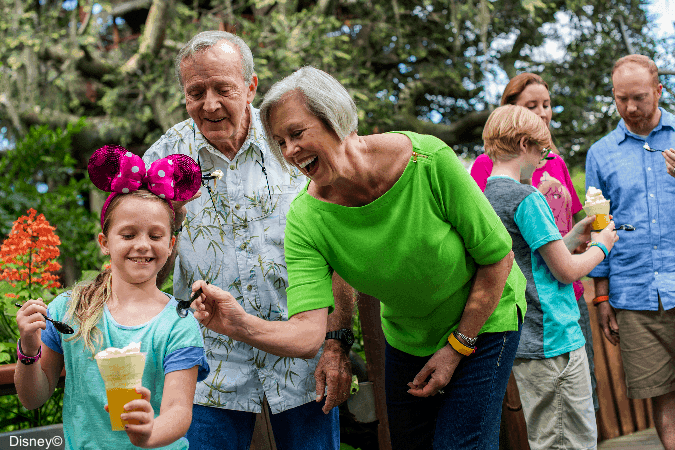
(104, 166)
(187, 176)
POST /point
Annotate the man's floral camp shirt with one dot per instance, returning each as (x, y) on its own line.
(233, 237)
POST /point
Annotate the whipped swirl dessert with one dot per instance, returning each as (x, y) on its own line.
(132, 349)
(594, 196)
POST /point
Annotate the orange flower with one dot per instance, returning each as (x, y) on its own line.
(29, 252)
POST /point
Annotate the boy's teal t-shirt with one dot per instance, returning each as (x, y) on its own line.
(170, 344)
(416, 249)
(551, 326)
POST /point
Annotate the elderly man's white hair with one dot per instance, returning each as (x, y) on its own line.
(324, 97)
(207, 39)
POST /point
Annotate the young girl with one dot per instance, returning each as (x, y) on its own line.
(122, 305)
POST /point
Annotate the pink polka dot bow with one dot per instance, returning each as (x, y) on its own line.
(113, 168)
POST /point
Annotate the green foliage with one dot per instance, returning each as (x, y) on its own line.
(347, 447)
(579, 182)
(43, 160)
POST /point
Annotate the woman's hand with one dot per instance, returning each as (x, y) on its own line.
(669, 156)
(30, 321)
(436, 373)
(217, 310)
(607, 236)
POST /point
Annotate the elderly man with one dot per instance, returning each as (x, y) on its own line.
(233, 236)
(635, 285)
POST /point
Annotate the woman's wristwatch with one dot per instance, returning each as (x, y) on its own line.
(27, 360)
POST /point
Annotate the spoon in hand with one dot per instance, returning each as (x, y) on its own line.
(184, 305)
(61, 327)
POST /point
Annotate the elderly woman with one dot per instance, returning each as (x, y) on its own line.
(401, 220)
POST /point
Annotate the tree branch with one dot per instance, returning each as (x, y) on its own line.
(11, 112)
(130, 6)
(85, 62)
(624, 34)
(153, 34)
(467, 129)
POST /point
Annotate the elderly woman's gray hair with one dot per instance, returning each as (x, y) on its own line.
(324, 97)
(207, 39)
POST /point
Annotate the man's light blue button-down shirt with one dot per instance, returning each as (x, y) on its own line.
(641, 266)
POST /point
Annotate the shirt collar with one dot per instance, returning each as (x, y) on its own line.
(254, 138)
(666, 120)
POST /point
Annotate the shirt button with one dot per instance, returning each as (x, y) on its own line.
(656, 273)
(249, 287)
(237, 206)
(655, 247)
(651, 195)
(653, 220)
(231, 166)
(649, 168)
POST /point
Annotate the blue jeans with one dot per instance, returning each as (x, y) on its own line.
(304, 427)
(467, 415)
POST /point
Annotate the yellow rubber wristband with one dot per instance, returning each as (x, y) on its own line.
(461, 348)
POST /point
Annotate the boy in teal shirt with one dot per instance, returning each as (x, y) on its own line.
(551, 365)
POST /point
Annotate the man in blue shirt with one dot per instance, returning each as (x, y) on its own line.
(638, 277)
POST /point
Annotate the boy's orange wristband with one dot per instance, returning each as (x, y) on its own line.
(599, 299)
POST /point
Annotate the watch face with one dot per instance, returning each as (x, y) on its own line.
(348, 336)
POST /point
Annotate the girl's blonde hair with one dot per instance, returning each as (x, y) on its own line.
(507, 125)
(87, 298)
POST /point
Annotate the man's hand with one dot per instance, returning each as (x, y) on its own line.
(217, 309)
(335, 371)
(669, 156)
(607, 321)
(436, 373)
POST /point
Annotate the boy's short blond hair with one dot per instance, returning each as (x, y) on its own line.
(507, 125)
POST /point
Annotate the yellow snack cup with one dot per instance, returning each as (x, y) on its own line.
(601, 212)
(121, 374)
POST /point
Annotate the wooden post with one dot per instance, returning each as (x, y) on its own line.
(374, 345)
(513, 435)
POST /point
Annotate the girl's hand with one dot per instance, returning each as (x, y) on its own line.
(436, 373)
(607, 236)
(141, 418)
(217, 309)
(30, 321)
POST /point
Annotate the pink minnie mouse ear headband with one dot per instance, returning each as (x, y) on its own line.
(115, 169)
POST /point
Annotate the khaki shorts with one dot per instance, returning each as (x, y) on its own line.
(648, 351)
(557, 401)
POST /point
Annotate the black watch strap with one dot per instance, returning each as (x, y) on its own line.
(345, 336)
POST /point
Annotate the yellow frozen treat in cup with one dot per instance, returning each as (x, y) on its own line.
(121, 370)
(597, 205)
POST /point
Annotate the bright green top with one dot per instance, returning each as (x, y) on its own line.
(415, 249)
